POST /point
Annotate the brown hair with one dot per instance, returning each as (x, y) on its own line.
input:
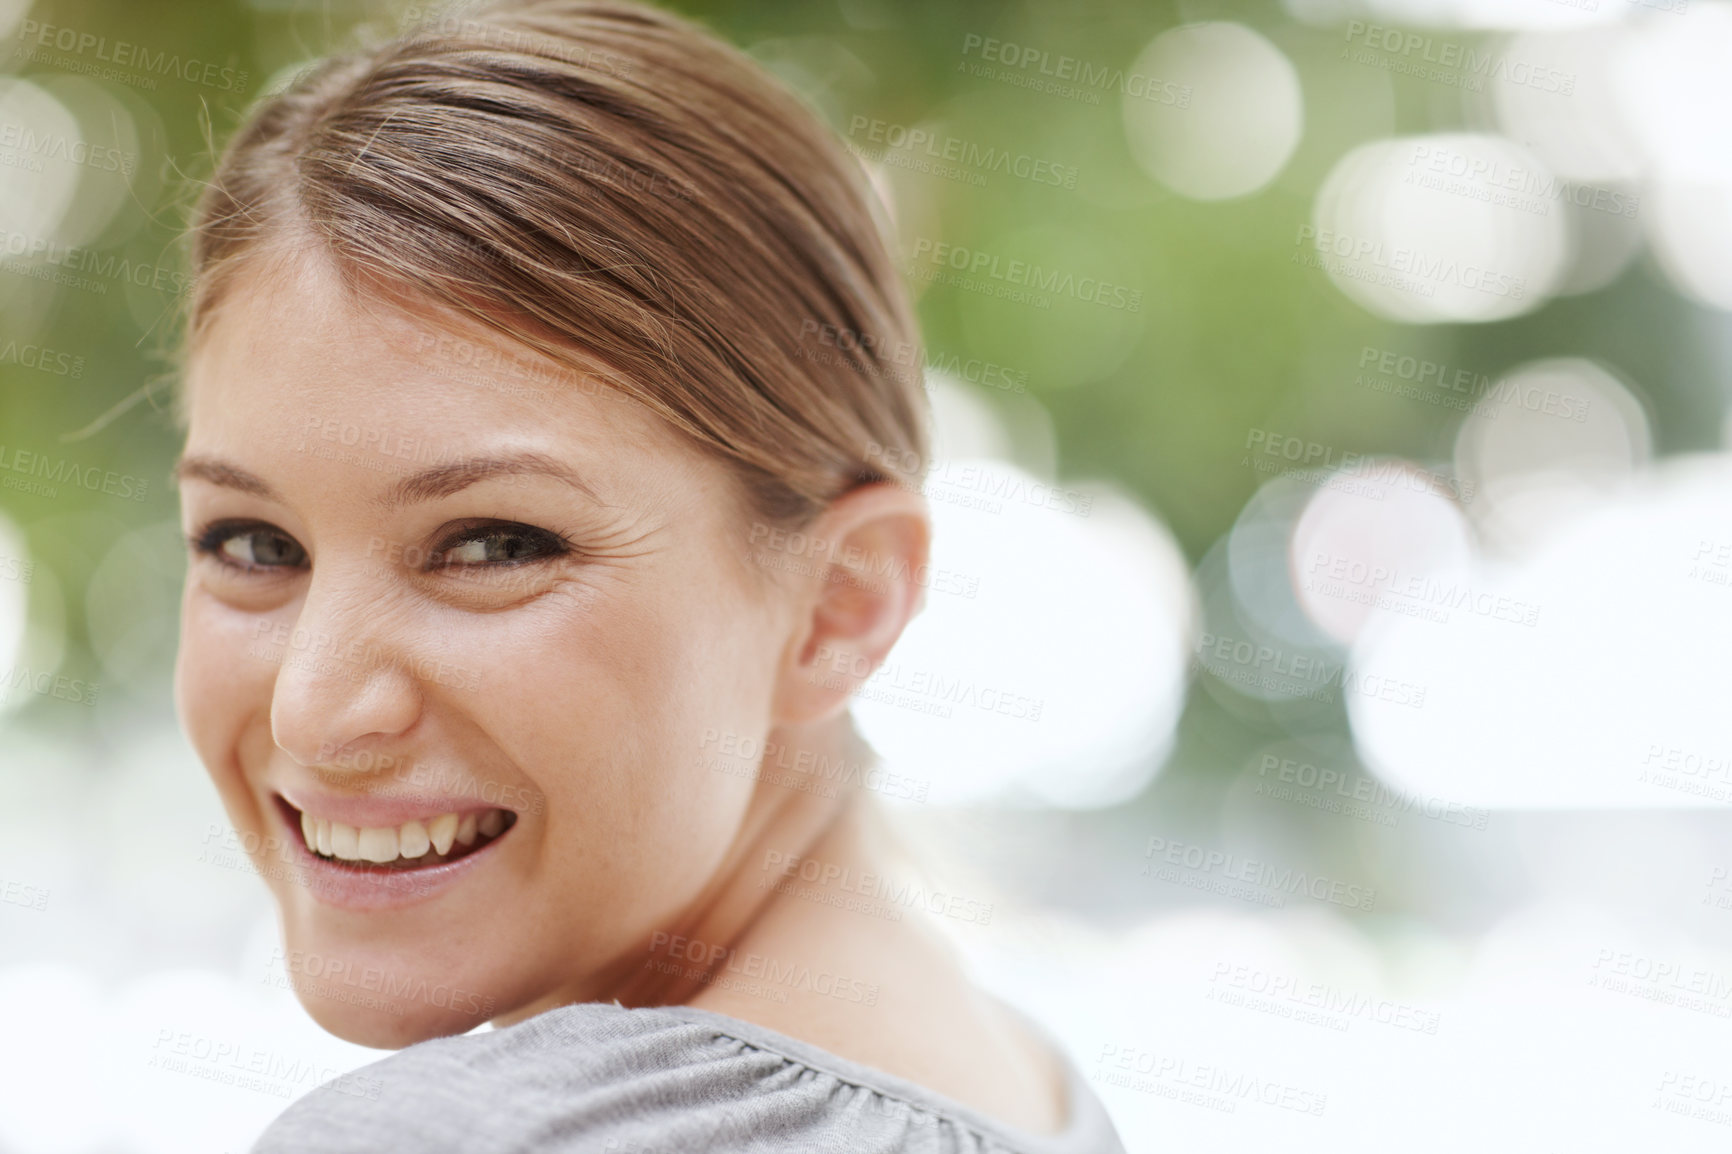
(619, 191)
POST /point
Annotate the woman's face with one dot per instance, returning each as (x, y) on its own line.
(428, 603)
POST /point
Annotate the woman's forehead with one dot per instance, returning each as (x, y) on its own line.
(292, 333)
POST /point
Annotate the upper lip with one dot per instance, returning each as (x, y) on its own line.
(382, 810)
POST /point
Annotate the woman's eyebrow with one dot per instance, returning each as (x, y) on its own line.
(220, 472)
(444, 480)
(427, 485)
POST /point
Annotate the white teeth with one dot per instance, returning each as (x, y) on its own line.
(412, 839)
(443, 831)
(345, 841)
(409, 841)
(378, 845)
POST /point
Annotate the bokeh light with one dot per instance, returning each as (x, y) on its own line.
(1072, 706)
(1440, 228)
(1541, 688)
(1353, 560)
(35, 194)
(1546, 441)
(1226, 117)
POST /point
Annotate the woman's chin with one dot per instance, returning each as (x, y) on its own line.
(382, 1028)
(388, 997)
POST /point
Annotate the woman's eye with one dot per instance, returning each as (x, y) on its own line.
(251, 547)
(499, 545)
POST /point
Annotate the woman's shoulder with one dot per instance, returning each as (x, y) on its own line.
(605, 1079)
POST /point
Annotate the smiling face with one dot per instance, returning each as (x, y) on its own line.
(426, 604)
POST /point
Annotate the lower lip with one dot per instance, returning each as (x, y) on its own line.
(376, 889)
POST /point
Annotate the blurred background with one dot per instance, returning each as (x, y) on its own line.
(1332, 478)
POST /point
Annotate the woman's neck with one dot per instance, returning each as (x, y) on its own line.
(791, 934)
(794, 817)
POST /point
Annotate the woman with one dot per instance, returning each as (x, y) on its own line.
(529, 531)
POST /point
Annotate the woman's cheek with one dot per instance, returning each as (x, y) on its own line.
(219, 689)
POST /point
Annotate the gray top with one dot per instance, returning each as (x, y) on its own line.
(599, 1078)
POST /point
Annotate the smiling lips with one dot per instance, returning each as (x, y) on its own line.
(415, 844)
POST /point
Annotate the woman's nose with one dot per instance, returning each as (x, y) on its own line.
(347, 674)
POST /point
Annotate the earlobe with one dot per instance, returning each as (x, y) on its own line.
(865, 588)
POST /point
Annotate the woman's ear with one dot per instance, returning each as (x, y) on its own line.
(863, 569)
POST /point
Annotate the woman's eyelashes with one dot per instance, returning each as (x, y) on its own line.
(497, 544)
(254, 547)
(249, 546)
